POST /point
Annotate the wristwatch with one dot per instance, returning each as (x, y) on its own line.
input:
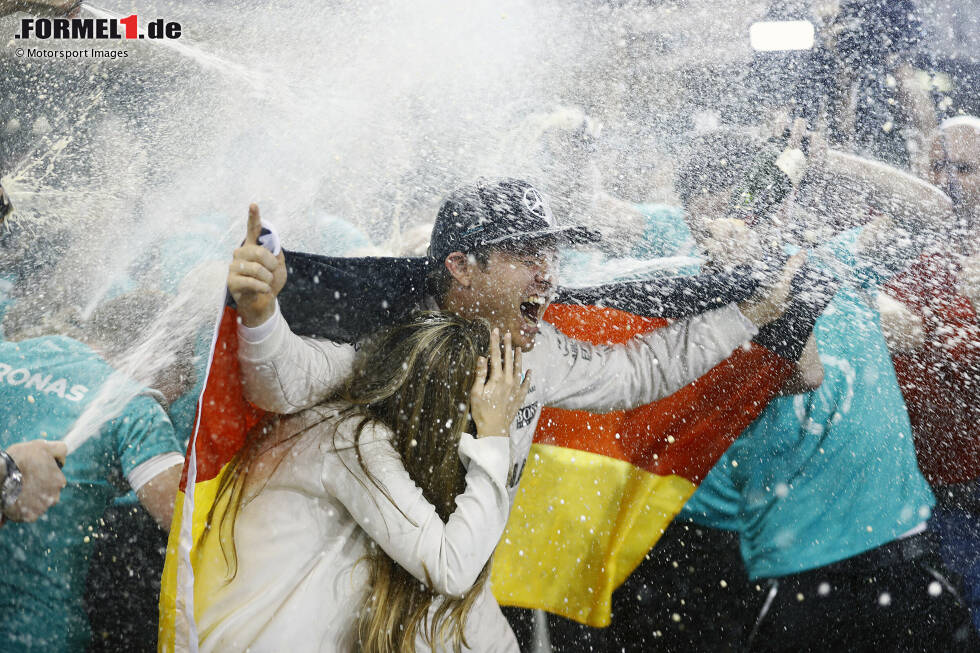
(13, 480)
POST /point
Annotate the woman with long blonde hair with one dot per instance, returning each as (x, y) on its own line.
(367, 523)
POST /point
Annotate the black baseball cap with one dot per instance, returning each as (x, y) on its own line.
(492, 212)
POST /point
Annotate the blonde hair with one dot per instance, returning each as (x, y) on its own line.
(415, 379)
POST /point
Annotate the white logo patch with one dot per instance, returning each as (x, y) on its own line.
(536, 206)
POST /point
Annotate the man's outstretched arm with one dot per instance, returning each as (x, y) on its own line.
(579, 376)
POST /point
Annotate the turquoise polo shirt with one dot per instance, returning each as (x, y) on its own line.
(828, 474)
(45, 385)
(665, 233)
(663, 247)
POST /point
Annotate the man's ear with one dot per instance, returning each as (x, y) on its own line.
(459, 266)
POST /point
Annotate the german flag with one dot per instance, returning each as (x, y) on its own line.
(598, 490)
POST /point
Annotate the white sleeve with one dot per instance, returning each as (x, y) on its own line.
(284, 373)
(450, 554)
(579, 376)
(147, 471)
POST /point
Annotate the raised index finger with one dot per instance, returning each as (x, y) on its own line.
(254, 225)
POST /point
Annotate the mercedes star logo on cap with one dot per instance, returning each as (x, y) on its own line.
(535, 204)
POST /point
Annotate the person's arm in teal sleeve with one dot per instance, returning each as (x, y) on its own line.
(149, 452)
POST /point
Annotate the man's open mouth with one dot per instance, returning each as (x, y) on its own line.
(533, 309)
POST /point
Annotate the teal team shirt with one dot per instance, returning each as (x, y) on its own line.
(45, 384)
(821, 476)
(829, 474)
(664, 246)
(665, 233)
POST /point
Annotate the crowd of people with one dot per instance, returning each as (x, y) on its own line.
(363, 510)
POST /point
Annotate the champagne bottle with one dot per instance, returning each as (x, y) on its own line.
(774, 173)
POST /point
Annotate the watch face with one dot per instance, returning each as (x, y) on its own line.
(10, 489)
